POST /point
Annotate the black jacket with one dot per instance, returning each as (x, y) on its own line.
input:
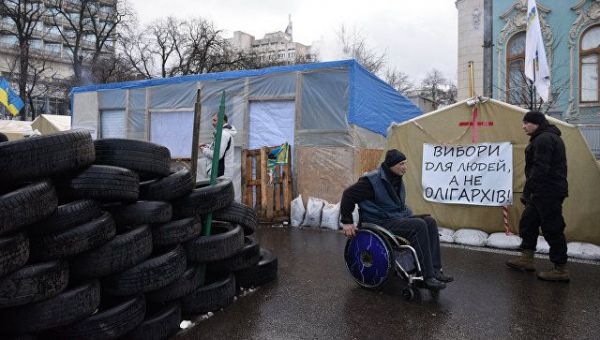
(546, 163)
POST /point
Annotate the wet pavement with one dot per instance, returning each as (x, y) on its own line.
(315, 297)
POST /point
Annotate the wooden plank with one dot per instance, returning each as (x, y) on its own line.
(246, 189)
(287, 193)
(277, 187)
(263, 179)
(196, 134)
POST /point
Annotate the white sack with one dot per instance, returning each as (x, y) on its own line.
(503, 241)
(470, 237)
(586, 251)
(446, 235)
(314, 207)
(542, 246)
(330, 218)
(297, 211)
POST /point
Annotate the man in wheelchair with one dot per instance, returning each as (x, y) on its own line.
(381, 197)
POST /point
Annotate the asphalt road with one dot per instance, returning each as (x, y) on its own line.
(314, 297)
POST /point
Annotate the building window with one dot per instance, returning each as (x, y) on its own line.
(516, 82)
(52, 48)
(588, 65)
(36, 44)
(9, 40)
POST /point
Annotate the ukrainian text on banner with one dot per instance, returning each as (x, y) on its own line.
(476, 174)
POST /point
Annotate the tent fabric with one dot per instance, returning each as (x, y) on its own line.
(333, 96)
(580, 209)
(15, 129)
(46, 124)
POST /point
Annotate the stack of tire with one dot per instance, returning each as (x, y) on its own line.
(102, 239)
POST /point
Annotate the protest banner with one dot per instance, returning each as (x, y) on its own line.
(474, 174)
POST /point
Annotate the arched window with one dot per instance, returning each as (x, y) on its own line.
(516, 82)
(588, 65)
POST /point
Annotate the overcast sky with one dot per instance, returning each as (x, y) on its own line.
(417, 35)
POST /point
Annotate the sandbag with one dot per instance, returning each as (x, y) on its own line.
(330, 217)
(314, 208)
(503, 241)
(581, 250)
(470, 237)
(446, 235)
(297, 211)
(542, 246)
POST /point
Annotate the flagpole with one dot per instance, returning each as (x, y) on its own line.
(533, 88)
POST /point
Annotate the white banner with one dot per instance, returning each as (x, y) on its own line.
(475, 174)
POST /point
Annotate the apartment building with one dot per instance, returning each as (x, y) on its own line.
(275, 46)
(50, 48)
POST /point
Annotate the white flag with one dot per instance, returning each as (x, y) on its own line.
(535, 53)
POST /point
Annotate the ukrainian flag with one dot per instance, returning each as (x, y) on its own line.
(9, 98)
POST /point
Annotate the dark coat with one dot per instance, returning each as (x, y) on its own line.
(389, 201)
(546, 164)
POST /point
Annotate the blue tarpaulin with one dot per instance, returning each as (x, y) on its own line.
(334, 95)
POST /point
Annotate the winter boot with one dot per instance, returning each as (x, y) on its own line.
(524, 262)
(558, 274)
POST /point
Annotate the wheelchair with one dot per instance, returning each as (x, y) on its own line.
(374, 254)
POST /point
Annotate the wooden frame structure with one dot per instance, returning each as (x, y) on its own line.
(271, 201)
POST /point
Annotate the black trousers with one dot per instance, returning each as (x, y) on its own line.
(545, 213)
(423, 234)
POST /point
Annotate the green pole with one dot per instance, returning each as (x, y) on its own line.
(215, 160)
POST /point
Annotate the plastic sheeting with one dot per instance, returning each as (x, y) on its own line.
(112, 99)
(165, 129)
(86, 107)
(136, 118)
(173, 96)
(324, 101)
(332, 96)
(271, 123)
(112, 123)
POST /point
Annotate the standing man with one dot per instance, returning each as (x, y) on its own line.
(225, 150)
(545, 190)
(381, 197)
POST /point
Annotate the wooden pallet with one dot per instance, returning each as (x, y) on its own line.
(271, 201)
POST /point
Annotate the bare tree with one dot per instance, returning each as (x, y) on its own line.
(354, 45)
(115, 69)
(521, 92)
(432, 86)
(205, 49)
(25, 15)
(88, 29)
(398, 80)
(136, 50)
(37, 85)
(165, 44)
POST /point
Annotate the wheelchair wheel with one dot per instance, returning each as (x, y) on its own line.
(369, 258)
(408, 294)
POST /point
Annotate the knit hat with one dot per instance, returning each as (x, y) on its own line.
(534, 117)
(393, 157)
